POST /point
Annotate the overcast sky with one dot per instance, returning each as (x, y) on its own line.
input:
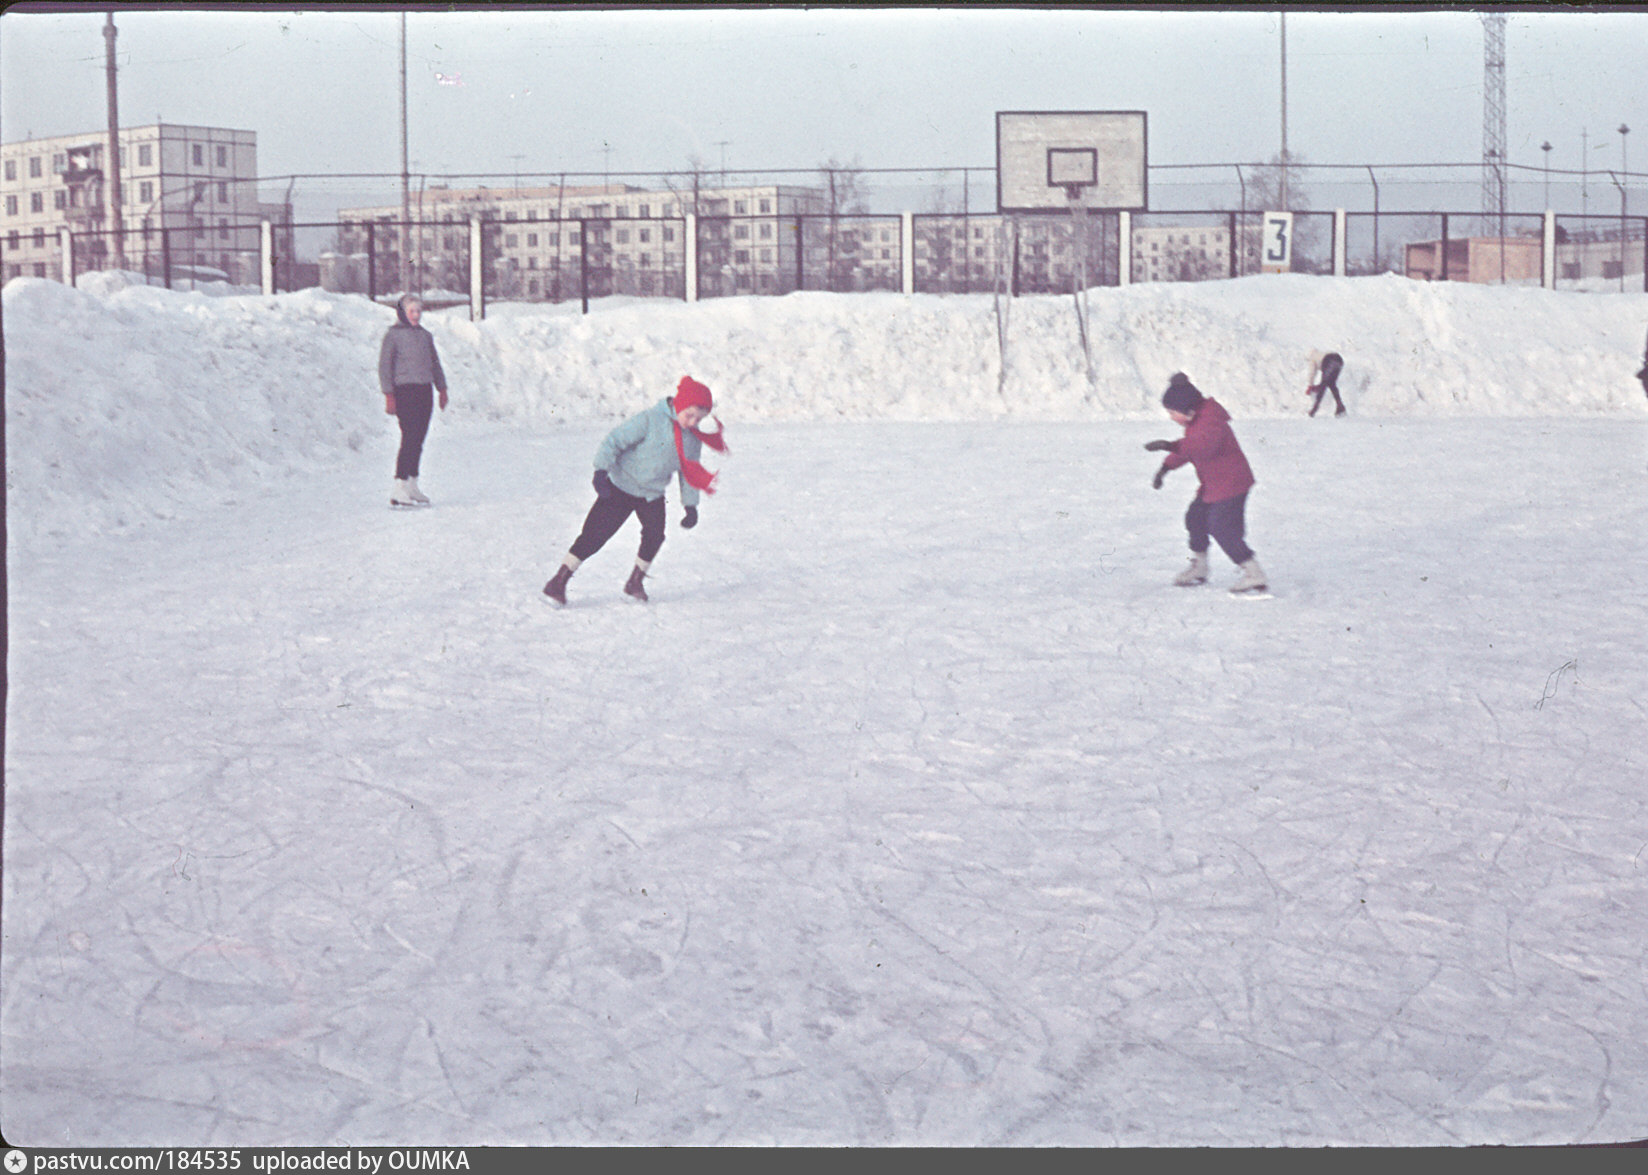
(504, 89)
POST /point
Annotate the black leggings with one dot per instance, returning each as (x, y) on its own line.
(414, 404)
(609, 513)
(1331, 367)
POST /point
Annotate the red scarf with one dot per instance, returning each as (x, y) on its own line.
(697, 476)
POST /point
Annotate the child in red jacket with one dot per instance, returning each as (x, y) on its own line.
(1218, 509)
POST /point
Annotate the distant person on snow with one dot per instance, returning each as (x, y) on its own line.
(1324, 378)
(1218, 509)
(1643, 374)
(633, 467)
(409, 372)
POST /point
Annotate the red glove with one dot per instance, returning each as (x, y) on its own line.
(443, 399)
(389, 405)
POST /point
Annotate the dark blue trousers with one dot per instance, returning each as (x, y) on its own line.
(414, 405)
(1225, 522)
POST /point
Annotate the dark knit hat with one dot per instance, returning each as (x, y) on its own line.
(1181, 394)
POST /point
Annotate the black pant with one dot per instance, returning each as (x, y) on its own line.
(1225, 521)
(414, 405)
(608, 514)
(1332, 364)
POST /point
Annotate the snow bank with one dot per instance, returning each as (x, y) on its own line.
(127, 401)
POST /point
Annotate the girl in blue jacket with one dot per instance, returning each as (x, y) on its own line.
(633, 467)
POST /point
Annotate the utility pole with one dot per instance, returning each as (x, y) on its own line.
(1546, 147)
(406, 175)
(115, 203)
(1284, 180)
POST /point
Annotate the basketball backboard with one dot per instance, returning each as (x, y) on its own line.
(1047, 160)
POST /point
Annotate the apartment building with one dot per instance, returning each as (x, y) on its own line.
(199, 184)
(553, 242)
(1183, 253)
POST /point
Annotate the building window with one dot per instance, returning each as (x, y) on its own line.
(741, 256)
(623, 210)
(623, 236)
(886, 254)
(145, 191)
(222, 192)
(59, 198)
(574, 238)
(39, 238)
(646, 260)
(552, 239)
(532, 263)
(13, 240)
(509, 241)
(11, 169)
(766, 232)
(223, 157)
(145, 155)
(39, 269)
(222, 229)
(199, 155)
(740, 207)
(645, 211)
(34, 167)
(766, 205)
(37, 202)
(60, 163)
(669, 233)
(1612, 269)
(766, 254)
(741, 231)
(11, 205)
(644, 235)
(532, 240)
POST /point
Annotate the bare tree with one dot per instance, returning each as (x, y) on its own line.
(844, 193)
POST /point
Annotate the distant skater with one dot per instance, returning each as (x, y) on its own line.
(633, 468)
(1324, 378)
(1642, 376)
(1219, 508)
(409, 373)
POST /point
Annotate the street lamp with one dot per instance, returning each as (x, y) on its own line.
(1546, 147)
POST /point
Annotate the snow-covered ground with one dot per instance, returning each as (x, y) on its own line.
(916, 809)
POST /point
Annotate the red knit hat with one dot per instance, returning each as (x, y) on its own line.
(689, 393)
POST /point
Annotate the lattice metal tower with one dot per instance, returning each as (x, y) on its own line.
(1493, 116)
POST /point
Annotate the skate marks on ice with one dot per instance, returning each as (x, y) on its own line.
(902, 815)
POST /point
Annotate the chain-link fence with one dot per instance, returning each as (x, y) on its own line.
(558, 260)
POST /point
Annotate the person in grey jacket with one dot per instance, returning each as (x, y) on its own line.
(633, 468)
(409, 372)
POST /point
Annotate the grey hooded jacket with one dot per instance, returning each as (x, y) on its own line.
(408, 356)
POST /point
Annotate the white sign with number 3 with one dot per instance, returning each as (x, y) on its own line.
(1276, 243)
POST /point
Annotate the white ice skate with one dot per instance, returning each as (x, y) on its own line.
(1252, 582)
(1194, 574)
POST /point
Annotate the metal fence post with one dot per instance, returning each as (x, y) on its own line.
(907, 246)
(1124, 248)
(266, 258)
(690, 247)
(1338, 242)
(166, 254)
(1442, 272)
(65, 242)
(800, 255)
(583, 263)
(371, 264)
(477, 271)
(1547, 252)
